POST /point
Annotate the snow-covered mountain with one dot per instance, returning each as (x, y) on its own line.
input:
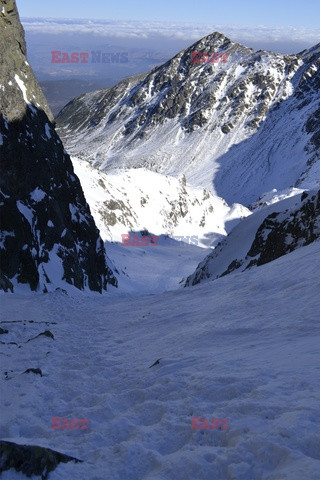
(48, 236)
(111, 387)
(267, 234)
(155, 151)
(238, 129)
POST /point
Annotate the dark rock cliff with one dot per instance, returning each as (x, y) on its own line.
(48, 236)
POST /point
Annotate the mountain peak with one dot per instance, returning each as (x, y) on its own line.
(215, 120)
(23, 86)
(214, 42)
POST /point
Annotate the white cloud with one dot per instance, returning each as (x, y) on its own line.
(174, 31)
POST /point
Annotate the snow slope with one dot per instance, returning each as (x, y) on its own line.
(136, 200)
(153, 269)
(245, 348)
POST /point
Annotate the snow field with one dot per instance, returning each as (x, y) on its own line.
(243, 347)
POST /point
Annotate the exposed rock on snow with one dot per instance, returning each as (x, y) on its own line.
(31, 459)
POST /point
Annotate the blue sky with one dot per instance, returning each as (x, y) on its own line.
(294, 13)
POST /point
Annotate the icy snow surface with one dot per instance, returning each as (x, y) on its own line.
(243, 347)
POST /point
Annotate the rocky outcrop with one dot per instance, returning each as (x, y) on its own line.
(281, 233)
(31, 459)
(48, 236)
(263, 237)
